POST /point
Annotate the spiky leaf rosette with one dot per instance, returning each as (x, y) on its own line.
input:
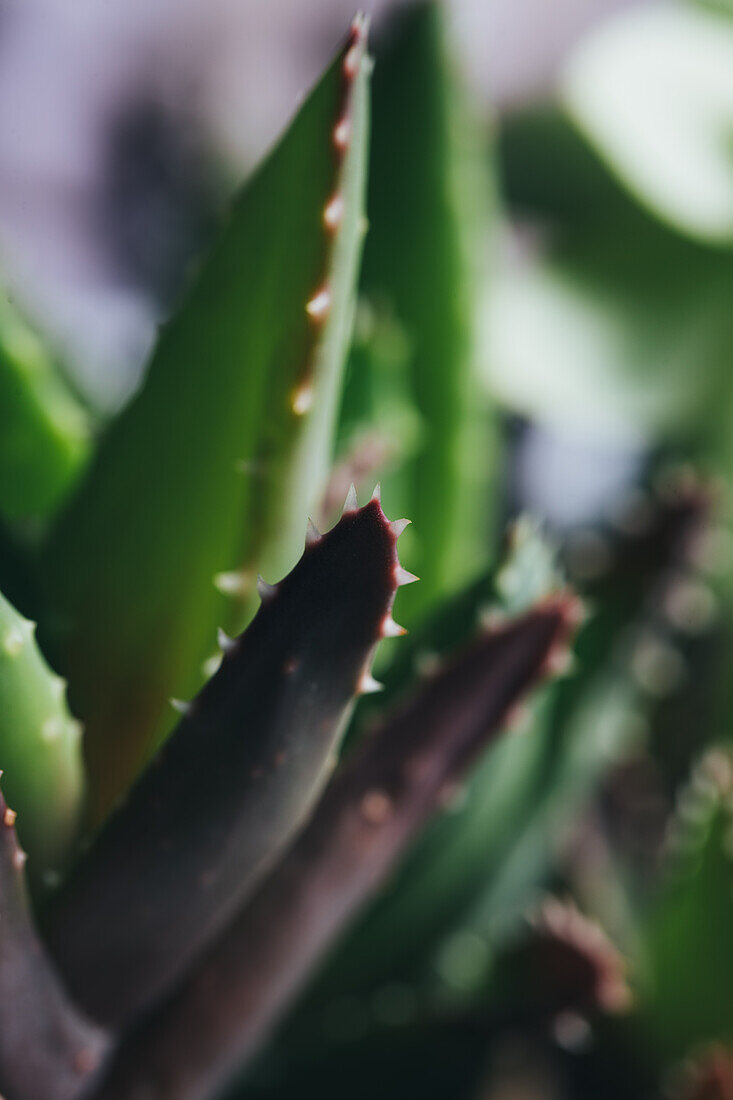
(209, 475)
(379, 798)
(39, 745)
(236, 777)
(46, 1048)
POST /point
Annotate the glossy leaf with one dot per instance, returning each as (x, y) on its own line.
(208, 476)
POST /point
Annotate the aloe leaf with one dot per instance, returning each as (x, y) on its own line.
(208, 476)
(428, 200)
(378, 800)
(46, 1048)
(39, 746)
(236, 777)
(44, 432)
(479, 863)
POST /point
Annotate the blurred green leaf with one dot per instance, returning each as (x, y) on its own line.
(44, 433)
(208, 476)
(428, 208)
(652, 90)
(626, 333)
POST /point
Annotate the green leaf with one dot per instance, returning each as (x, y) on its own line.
(39, 746)
(428, 200)
(652, 91)
(622, 333)
(44, 434)
(209, 475)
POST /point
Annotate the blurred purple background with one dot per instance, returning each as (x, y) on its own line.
(113, 114)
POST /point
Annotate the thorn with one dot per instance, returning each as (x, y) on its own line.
(210, 667)
(359, 25)
(397, 526)
(312, 534)
(181, 706)
(560, 663)
(351, 61)
(19, 859)
(368, 685)
(74, 729)
(319, 304)
(377, 494)
(333, 212)
(264, 590)
(232, 584)
(403, 576)
(58, 687)
(576, 611)
(226, 644)
(302, 398)
(351, 503)
(342, 134)
(391, 629)
(376, 807)
(13, 642)
(52, 729)
(9, 817)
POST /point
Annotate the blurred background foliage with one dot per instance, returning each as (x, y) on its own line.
(544, 327)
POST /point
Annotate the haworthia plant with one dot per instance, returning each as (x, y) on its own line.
(379, 798)
(47, 1049)
(209, 475)
(40, 747)
(44, 432)
(236, 777)
(427, 207)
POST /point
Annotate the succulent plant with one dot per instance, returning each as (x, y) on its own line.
(232, 862)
